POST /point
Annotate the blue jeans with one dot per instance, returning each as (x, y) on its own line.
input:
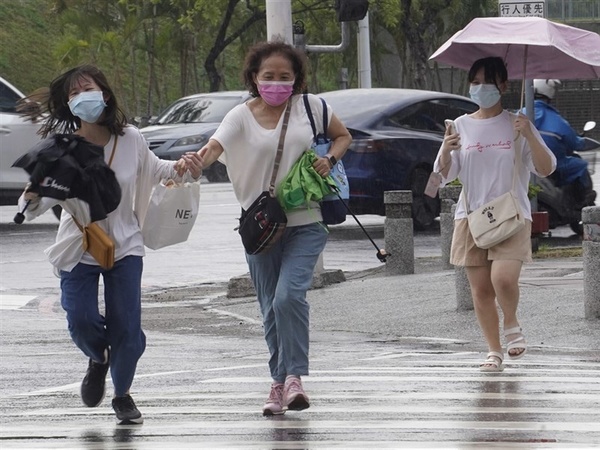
(281, 277)
(120, 328)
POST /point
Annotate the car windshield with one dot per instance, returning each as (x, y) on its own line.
(204, 109)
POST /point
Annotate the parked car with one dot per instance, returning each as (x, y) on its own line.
(17, 136)
(187, 124)
(397, 134)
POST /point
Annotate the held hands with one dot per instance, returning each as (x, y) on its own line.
(191, 161)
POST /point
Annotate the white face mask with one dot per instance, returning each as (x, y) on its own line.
(485, 95)
(88, 106)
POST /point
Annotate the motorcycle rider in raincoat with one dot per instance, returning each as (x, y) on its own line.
(563, 140)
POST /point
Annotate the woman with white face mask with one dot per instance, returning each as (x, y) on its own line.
(247, 142)
(481, 150)
(81, 102)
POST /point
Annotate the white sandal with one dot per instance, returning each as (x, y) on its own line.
(517, 343)
(493, 363)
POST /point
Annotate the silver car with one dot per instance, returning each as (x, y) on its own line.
(17, 136)
(187, 124)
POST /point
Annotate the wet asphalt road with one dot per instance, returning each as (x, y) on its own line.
(203, 378)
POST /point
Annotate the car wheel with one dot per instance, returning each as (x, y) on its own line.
(57, 210)
(217, 173)
(424, 208)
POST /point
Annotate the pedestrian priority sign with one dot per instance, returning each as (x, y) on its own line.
(521, 8)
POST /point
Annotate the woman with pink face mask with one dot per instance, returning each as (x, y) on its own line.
(247, 141)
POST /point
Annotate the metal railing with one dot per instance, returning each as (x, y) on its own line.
(573, 10)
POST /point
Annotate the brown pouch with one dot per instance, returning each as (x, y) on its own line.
(99, 244)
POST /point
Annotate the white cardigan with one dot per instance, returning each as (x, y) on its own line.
(137, 170)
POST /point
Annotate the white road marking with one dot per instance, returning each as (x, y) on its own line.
(12, 302)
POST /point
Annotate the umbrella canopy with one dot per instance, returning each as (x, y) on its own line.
(69, 167)
(531, 47)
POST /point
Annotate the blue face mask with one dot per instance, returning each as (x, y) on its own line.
(485, 95)
(88, 106)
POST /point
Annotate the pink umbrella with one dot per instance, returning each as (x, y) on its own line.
(531, 47)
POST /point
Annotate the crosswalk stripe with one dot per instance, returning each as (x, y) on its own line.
(12, 302)
(410, 402)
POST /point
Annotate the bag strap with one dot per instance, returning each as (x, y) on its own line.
(280, 148)
(310, 116)
(312, 119)
(516, 165)
(325, 121)
(110, 160)
(112, 153)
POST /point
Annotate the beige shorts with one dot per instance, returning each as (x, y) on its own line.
(464, 252)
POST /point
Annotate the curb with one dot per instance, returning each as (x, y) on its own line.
(242, 286)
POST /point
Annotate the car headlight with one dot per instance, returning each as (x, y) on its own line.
(197, 140)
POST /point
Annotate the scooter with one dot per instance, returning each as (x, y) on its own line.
(563, 203)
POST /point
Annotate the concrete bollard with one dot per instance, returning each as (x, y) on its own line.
(591, 261)
(398, 232)
(464, 297)
(448, 197)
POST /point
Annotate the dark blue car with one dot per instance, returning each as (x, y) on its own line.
(397, 134)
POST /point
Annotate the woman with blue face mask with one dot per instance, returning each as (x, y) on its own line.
(483, 150)
(81, 102)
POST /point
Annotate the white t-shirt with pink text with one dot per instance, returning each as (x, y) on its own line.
(486, 160)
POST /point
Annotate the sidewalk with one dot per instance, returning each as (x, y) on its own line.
(421, 308)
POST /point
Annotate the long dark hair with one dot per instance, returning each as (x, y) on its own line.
(493, 67)
(261, 51)
(61, 119)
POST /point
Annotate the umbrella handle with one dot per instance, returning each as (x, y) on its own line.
(524, 76)
(20, 216)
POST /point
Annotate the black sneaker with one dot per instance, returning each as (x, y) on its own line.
(127, 412)
(92, 386)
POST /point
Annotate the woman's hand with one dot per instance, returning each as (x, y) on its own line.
(33, 198)
(451, 140)
(322, 166)
(523, 126)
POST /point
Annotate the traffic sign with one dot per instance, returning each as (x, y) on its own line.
(521, 8)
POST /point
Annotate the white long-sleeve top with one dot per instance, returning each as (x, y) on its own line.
(486, 161)
(137, 170)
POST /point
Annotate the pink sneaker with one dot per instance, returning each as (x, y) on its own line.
(294, 397)
(274, 404)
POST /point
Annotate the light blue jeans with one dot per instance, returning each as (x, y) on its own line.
(120, 328)
(281, 277)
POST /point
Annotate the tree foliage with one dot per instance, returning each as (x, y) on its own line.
(155, 51)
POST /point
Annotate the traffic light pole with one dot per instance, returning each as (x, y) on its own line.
(279, 20)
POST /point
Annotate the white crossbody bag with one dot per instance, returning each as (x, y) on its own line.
(499, 219)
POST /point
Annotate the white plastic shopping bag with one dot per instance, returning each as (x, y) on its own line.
(171, 214)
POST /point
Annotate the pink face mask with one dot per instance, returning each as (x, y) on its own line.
(275, 93)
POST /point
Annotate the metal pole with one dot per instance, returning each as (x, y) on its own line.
(279, 20)
(364, 53)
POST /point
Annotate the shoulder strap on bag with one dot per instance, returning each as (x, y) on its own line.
(112, 154)
(280, 148)
(312, 119)
(325, 121)
(110, 160)
(310, 116)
